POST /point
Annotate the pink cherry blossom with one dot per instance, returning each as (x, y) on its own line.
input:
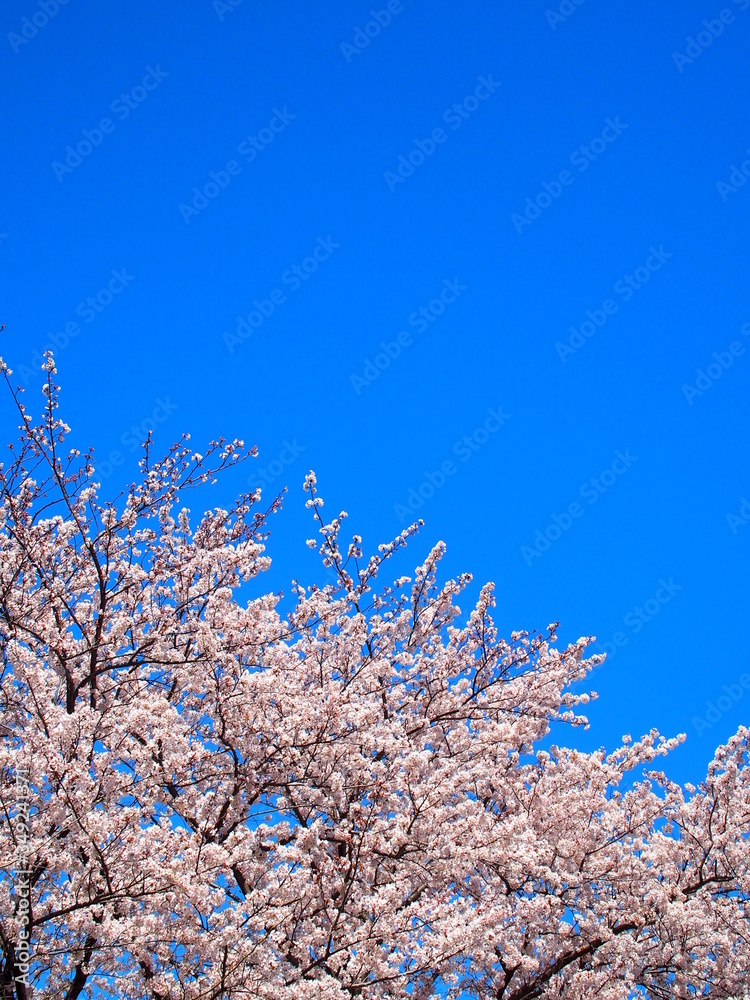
(347, 800)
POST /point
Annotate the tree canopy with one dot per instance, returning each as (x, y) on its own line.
(345, 800)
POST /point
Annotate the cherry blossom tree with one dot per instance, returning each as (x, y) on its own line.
(345, 800)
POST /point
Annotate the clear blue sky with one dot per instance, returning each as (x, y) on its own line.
(556, 169)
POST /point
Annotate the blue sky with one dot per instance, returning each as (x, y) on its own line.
(455, 253)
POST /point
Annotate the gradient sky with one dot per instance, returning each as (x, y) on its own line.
(559, 165)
